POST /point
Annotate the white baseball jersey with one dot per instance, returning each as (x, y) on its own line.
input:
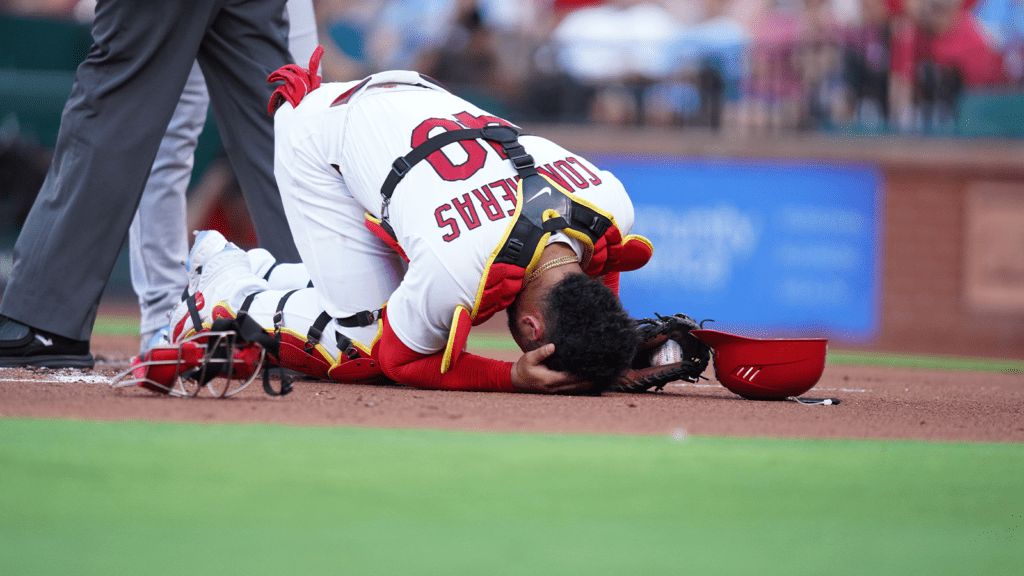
(450, 211)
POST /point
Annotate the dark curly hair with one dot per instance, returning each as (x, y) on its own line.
(594, 338)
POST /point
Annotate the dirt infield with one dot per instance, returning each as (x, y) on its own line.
(876, 403)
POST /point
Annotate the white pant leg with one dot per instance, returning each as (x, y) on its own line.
(158, 242)
(351, 269)
(278, 276)
(229, 277)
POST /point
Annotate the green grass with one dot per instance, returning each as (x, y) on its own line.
(841, 358)
(144, 498)
(115, 325)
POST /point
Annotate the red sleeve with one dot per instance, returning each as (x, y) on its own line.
(471, 372)
(611, 280)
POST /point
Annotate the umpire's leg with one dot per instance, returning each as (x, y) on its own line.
(124, 94)
(237, 55)
(158, 241)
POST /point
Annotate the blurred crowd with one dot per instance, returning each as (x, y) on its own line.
(744, 64)
(749, 64)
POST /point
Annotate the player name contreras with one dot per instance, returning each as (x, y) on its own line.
(497, 200)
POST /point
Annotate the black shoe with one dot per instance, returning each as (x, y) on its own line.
(21, 346)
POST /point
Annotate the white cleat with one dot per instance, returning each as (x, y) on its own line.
(225, 276)
(208, 243)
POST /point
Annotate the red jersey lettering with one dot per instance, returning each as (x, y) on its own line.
(476, 155)
(489, 204)
(443, 222)
(593, 177)
(509, 193)
(551, 173)
(467, 211)
(572, 174)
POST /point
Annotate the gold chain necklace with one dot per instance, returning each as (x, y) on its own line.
(555, 263)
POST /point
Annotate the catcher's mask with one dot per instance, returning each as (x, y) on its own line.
(765, 369)
(221, 361)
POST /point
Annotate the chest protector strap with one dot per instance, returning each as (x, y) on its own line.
(506, 136)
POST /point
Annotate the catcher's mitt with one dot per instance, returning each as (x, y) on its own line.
(653, 332)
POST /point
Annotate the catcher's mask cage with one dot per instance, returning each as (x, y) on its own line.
(219, 361)
(765, 368)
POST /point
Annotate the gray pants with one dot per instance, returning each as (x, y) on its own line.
(158, 240)
(124, 95)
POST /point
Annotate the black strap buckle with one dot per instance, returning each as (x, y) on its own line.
(279, 314)
(401, 166)
(312, 339)
(316, 331)
(346, 347)
(521, 161)
(515, 246)
(366, 317)
(359, 319)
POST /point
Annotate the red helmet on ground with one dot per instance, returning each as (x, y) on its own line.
(765, 369)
